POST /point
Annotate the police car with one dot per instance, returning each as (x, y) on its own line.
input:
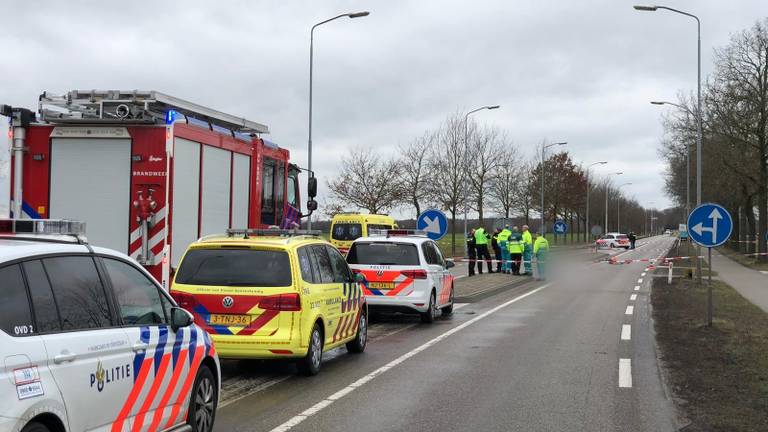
(404, 272)
(273, 294)
(90, 341)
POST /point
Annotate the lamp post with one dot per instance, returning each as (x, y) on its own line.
(588, 167)
(466, 164)
(606, 197)
(311, 56)
(618, 207)
(646, 8)
(650, 233)
(544, 147)
(687, 159)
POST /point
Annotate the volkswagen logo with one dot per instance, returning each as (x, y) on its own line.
(227, 302)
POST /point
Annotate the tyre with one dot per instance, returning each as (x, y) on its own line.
(310, 364)
(447, 310)
(202, 403)
(35, 427)
(357, 345)
(429, 316)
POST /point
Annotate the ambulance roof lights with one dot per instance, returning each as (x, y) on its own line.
(396, 232)
(43, 226)
(271, 232)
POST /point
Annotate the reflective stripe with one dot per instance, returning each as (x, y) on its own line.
(199, 351)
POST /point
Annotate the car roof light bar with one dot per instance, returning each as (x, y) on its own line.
(246, 232)
(396, 232)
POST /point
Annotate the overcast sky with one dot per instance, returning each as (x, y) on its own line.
(581, 71)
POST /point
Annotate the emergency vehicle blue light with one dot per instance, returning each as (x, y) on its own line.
(170, 116)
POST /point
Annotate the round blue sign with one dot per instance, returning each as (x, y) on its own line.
(710, 225)
(433, 223)
(560, 227)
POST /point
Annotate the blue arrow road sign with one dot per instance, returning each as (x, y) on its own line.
(560, 227)
(433, 223)
(710, 225)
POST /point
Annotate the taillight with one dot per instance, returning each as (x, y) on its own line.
(414, 274)
(184, 300)
(281, 302)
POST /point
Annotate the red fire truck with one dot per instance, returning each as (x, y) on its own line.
(149, 173)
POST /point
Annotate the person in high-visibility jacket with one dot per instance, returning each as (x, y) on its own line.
(481, 244)
(540, 251)
(527, 249)
(516, 247)
(502, 238)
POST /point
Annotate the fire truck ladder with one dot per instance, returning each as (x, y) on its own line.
(134, 107)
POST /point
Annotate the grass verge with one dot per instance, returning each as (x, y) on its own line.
(718, 374)
(747, 261)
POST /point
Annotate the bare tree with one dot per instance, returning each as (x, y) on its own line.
(365, 181)
(485, 148)
(413, 175)
(447, 165)
(505, 181)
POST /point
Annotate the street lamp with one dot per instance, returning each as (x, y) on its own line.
(541, 174)
(687, 159)
(311, 55)
(698, 113)
(618, 207)
(646, 219)
(587, 172)
(466, 164)
(606, 197)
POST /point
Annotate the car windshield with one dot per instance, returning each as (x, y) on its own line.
(347, 231)
(235, 267)
(383, 253)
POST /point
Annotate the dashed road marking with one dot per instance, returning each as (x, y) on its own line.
(626, 332)
(625, 373)
(640, 280)
(633, 297)
(637, 287)
(642, 274)
(630, 310)
(458, 306)
(325, 403)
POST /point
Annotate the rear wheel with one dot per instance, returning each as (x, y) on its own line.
(310, 364)
(35, 427)
(202, 403)
(357, 345)
(429, 316)
(447, 310)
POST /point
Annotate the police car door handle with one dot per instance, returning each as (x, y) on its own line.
(65, 356)
(140, 346)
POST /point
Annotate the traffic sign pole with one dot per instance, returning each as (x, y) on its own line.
(710, 306)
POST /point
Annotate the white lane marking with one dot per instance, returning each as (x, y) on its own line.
(630, 310)
(294, 421)
(637, 287)
(251, 391)
(633, 297)
(642, 274)
(625, 373)
(626, 332)
(458, 306)
(640, 280)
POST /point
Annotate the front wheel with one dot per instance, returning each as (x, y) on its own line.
(357, 345)
(429, 316)
(310, 364)
(202, 403)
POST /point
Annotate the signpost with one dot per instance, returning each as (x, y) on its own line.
(433, 223)
(710, 225)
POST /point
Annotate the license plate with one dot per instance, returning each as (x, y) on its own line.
(381, 285)
(229, 320)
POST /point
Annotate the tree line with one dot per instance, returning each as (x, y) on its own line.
(734, 137)
(434, 169)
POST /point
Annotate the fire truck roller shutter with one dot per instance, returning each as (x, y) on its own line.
(90, 181)
(241, 173)
(186, 196)
(215, 186)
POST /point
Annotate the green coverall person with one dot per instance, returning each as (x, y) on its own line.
(541, 250)
(516, 248)
(503, 238)
(481, 244)
(527, 250)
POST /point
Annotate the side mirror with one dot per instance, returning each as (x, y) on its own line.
(180, 318)
(450, 264)
(311, 205)
(312, 187)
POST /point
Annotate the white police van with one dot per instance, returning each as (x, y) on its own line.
(404, 271)
(90, 341)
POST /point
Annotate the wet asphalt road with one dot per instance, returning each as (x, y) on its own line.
(537, 357)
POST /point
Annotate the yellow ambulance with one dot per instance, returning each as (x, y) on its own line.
(346, 227)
